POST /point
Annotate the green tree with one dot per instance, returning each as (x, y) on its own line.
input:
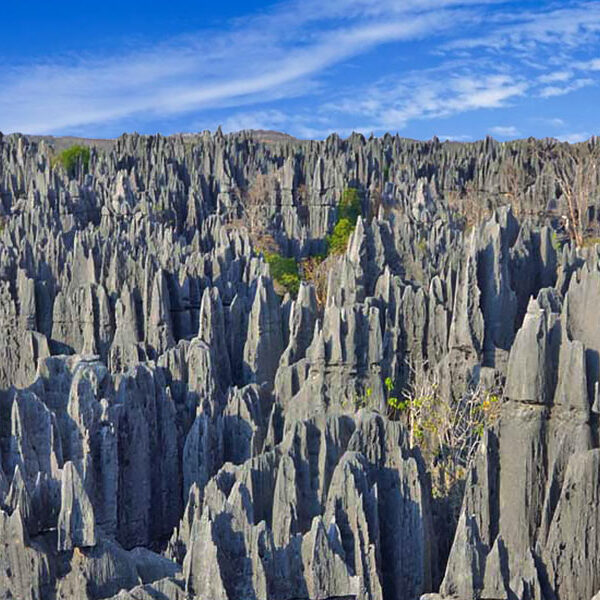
(74, 158)
(349, 207)
(337, 242)
(349, 210)
(291, 282)
(284, 271)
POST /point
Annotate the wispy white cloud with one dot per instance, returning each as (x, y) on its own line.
(574, 138)
(553, 121)
(505, 131)
(573, 25)
(556, 90)
(427, 95)
(533, 56)
(556, 77)
(258, 57)
(261, 119)
(290, 50)
(590, 65)
(444, 137)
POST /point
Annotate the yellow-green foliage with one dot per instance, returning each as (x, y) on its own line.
(284, 271)
(349, 207)
(446, 429)
(422, 245)
(337, 242)
(291, 282)
(72, 157)
(348, 212)
(589, 242)
(555, 241)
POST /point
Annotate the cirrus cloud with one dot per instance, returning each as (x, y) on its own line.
(311, 68)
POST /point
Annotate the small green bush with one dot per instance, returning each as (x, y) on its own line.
(337, 242)
(72, 157)
(349, 207)
(348, 212)
(291, 282)
(284, 271)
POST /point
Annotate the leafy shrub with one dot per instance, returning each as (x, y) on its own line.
(557, 241)
(348, 212)
(337, 242)
(284, 271)
(72, 157)
(349, 207)
(447, 430)
(291, 282)
(364, 400)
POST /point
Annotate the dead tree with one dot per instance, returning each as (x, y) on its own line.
(575, 172)
(256, 205)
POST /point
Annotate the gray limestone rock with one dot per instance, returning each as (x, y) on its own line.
(212, 331)
(572, 548)
(151, 566)
(203, 452)
(264, 343)
(76, 524)
(35, 443)
(19, 500)
(164, 589)
(465, 568)
(325, 571)
(98, 572)
(155, 390)
(527, 378)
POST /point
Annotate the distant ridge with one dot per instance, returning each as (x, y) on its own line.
(61, 142)
(266, 136)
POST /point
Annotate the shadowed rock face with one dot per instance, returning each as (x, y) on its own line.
(170, 428)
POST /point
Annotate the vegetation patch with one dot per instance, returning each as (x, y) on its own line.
(590, 242)
(337, 242)
(348, 212)
(315, 269)
(284, 271)
(447, 430)
(349, 207)
(72, 159)
(287, 272)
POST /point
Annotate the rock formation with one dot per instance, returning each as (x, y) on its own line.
(173, 427)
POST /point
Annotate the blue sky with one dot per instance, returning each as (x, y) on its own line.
(455, 69)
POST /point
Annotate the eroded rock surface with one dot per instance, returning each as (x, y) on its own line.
(172, 428)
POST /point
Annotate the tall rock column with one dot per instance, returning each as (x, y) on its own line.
(264, 343)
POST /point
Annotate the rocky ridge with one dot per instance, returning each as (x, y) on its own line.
(172, 428)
